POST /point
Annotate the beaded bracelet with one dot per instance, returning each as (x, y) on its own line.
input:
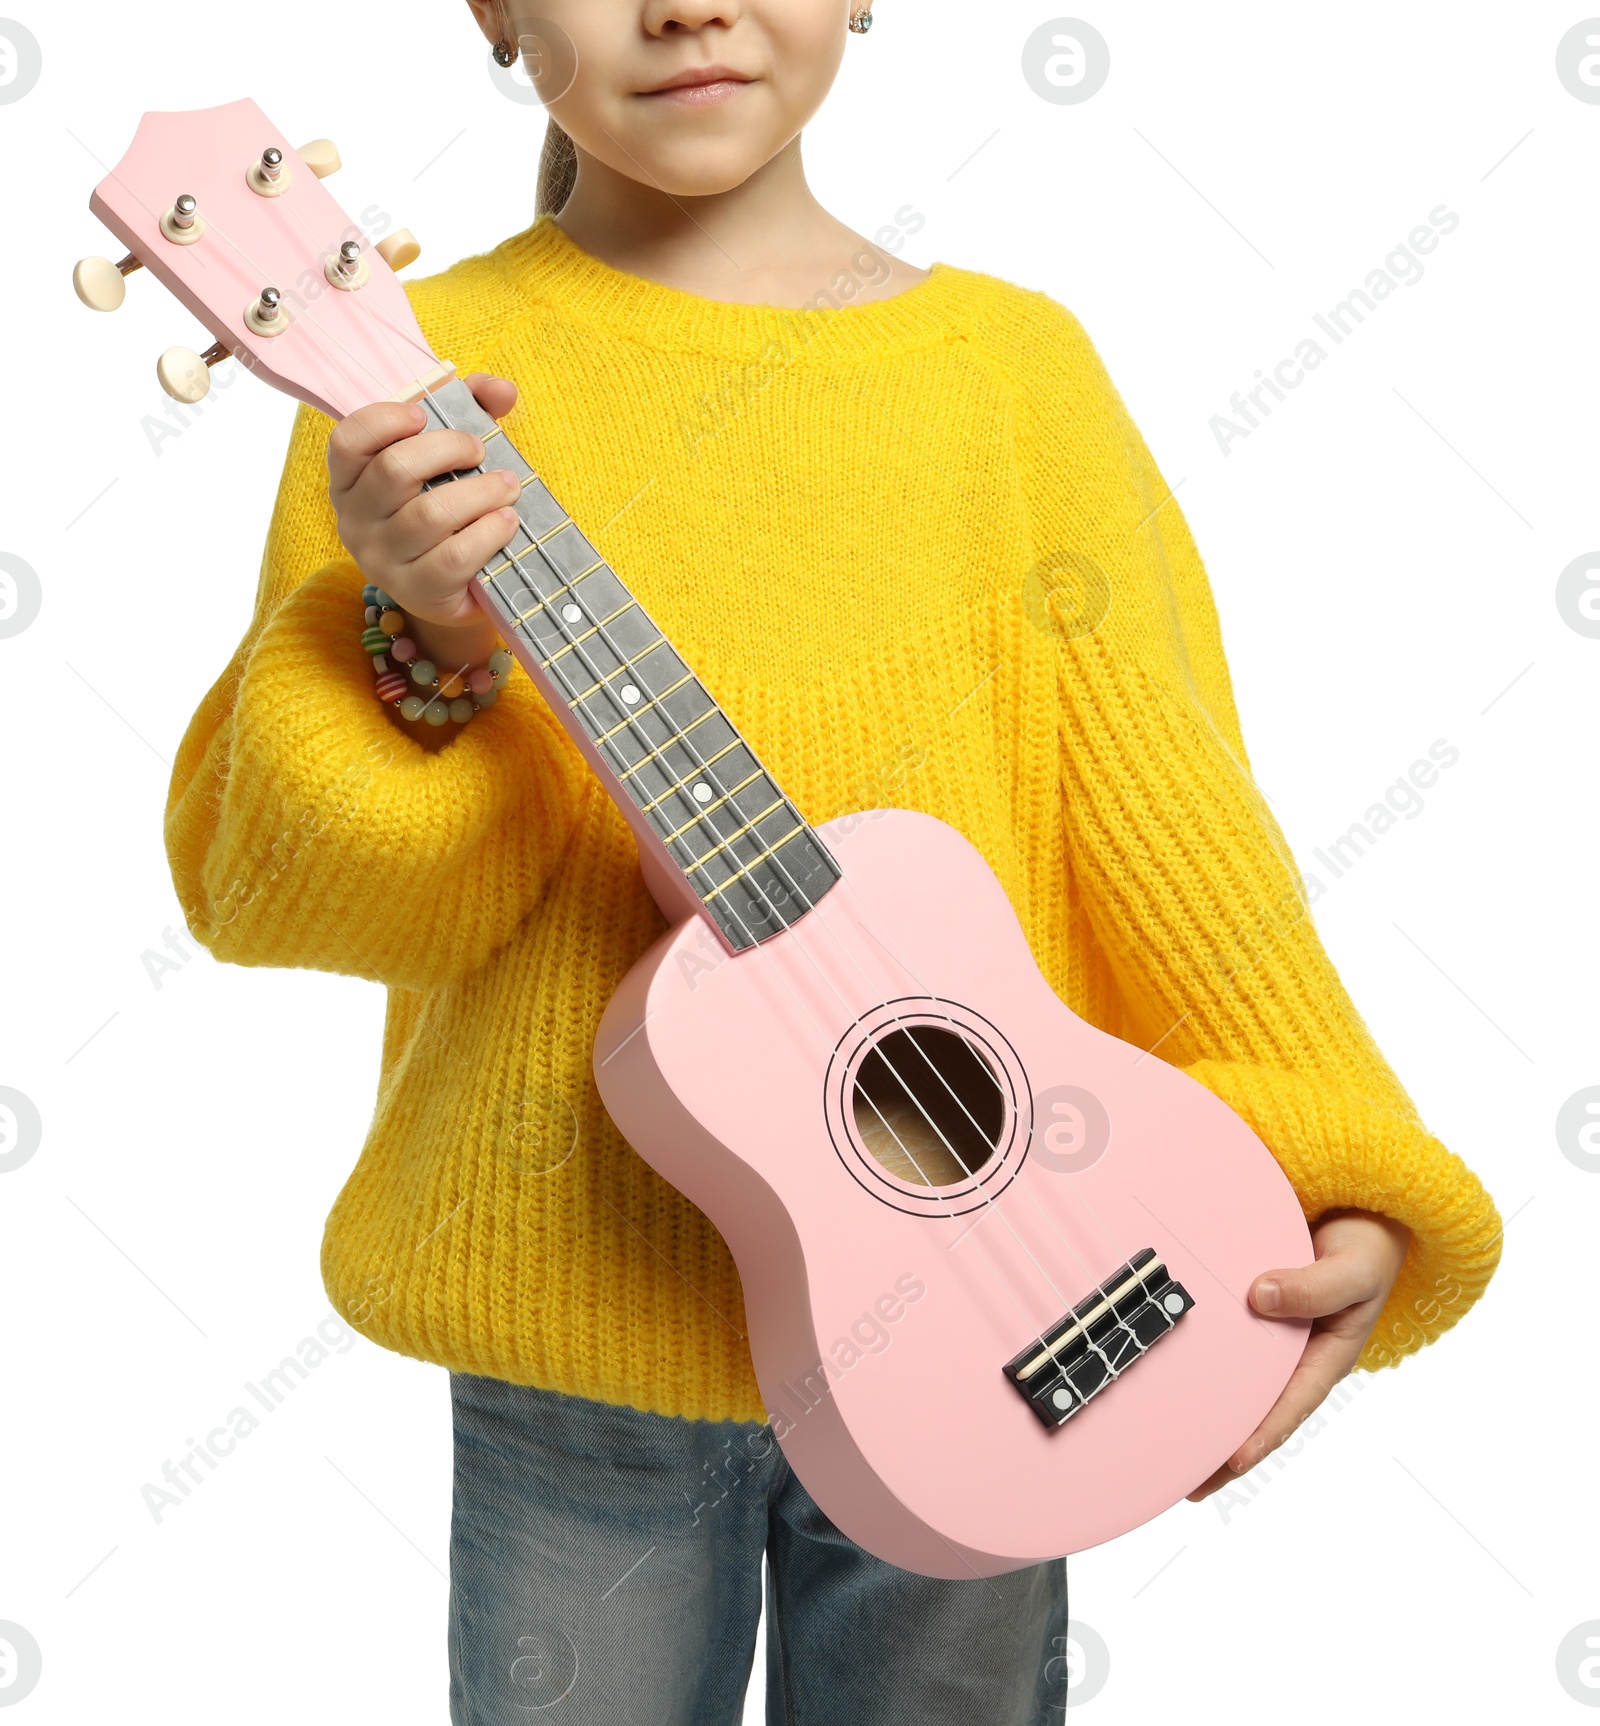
(456, 695)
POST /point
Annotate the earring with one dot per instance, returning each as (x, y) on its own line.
(862, 22)
(506, 55)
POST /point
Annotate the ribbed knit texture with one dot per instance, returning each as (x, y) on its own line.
(847, 521)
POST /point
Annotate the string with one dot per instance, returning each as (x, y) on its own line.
(307, 323)
(771, 854)
(374, 310)
(1042, 1211)
(677, 734)
(763, 854)
(1115, 1245)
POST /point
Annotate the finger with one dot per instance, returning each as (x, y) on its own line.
(434, 581)
(1327, 1359)
(431, 517)
(1212, 1483)
(1337, 1280)
(358, 437)
(396, 474)
(495, 395)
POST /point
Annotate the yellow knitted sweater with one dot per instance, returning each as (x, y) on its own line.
(920, 554)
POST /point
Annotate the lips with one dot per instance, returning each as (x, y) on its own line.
(697, 78)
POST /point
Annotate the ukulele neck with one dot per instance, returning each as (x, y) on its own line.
(716, 835)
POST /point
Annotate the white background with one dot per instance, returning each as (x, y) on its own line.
(1384, 552)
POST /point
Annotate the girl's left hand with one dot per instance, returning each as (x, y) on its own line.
(1359, 1255)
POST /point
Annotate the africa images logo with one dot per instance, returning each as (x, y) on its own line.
(20, 60)
(20, 1663)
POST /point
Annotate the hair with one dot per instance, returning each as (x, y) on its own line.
(558, 169)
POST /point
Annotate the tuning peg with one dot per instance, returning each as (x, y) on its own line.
(321, 156)
(183, 224)
(269, 177)
(186, 375)
(399, 249)
(99, 283)
(266, 316)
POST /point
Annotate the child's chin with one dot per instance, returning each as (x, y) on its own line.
(699, 168)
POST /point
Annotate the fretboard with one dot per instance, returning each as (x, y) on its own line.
(664, 747)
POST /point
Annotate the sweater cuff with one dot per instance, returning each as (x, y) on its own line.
(1337, 1150)
(324, 815)
(307, 714)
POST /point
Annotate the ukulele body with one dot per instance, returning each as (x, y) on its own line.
(882, 1310)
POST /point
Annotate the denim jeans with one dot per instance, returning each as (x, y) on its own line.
(605, 1568)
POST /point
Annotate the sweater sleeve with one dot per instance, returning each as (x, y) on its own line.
(1190, 885)
(305, 828)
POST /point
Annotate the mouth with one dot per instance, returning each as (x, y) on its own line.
(700, 86)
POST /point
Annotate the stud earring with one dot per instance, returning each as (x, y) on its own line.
(505, 54)
(862, 22)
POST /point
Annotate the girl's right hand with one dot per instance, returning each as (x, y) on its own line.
(423, 548)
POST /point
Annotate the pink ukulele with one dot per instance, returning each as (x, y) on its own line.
(995, 1261)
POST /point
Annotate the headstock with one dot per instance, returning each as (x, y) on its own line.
(217, 205)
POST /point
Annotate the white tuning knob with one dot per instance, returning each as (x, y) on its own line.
(321, 156)
(99, 283)
(398, 249)
(184, 375)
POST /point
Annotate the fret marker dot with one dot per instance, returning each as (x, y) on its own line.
(702, 792)
(630, 693)
(572, 613)
(1173, 1303)
(1062, 1399)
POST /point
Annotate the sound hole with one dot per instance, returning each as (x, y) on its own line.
(927, 1106)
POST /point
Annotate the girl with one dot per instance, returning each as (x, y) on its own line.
(900, 522)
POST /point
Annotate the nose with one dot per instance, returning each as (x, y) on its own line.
(670, 17)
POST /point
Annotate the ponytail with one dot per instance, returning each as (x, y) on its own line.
(558, 170)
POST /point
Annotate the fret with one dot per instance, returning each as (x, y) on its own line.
(543, 624)
(745, 844)
(671, 752)
(534, 539)
(630, 664)
(637, 708)
(749, 827)
(595, 629)
(547, 617)
(792, 886)
(728, 842)
(605, 698)
(623, 725)
(675, 787)
(734, 762)
(677, 790)
(717, 803)
(764, 855)
(538, 544)
(569, 553)
(618, 644)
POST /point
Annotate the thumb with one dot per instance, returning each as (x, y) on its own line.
(496, 396)
(1335, 1281)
